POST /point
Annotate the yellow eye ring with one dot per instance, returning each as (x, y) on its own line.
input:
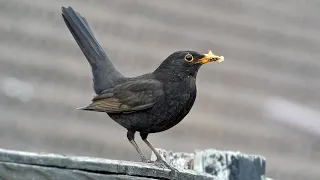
(188, 57)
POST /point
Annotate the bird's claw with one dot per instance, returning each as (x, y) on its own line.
(146, 160)
(163, 164)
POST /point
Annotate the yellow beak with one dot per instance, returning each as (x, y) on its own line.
(210, 57)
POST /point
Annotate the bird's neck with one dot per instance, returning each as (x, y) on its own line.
(176, 75)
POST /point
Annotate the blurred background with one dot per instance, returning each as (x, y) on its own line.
(263, 99)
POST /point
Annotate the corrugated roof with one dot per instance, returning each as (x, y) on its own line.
(254, 102)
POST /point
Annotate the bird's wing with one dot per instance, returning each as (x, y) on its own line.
(128, 97)
(105, 75)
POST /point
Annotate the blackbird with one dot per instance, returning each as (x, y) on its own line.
(149, 103)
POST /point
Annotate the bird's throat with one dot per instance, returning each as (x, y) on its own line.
(176, 74)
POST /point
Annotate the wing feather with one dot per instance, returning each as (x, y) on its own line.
(127, 97)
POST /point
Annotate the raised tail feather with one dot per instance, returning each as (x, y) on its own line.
(105, 75)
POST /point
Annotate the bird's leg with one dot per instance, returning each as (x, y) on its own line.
(130, 136)
(159, 158)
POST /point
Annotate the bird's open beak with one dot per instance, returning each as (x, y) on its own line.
(210, 57)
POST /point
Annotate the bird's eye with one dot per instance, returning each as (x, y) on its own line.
(188, 58)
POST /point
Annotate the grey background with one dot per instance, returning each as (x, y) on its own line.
(264, 99)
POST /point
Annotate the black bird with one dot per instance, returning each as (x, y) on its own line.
(149, 103)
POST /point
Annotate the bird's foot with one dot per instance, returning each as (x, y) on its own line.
(146, 160)
(163, 164)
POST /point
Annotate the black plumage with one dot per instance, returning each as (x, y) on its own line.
(149, 103)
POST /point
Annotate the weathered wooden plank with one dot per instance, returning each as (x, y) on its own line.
(16, 165)
(14, 171)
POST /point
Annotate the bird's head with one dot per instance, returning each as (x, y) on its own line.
(186, 63)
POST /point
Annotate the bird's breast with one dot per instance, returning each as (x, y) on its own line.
(181, 94)
(180, 97)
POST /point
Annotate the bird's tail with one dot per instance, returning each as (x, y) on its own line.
(105, 75)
